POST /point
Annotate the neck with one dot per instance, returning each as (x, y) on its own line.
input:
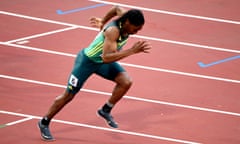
(122, 32)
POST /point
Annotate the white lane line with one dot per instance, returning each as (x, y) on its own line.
(37, 19)
(22, 42)
(187, 44)
(168, 12)
(47, 20)
(38, 49)
(41, 34)
(107, 129)
(130, 133)
(182, 73)
(20, 114)
(18, 121)
(127, 97)
(137, 36)
(129, 65)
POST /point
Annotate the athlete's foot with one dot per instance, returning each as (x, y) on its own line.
(45, 132)
(108, 118)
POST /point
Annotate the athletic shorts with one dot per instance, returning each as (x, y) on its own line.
(85, 67)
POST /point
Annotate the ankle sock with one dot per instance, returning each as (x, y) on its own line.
(45, 121)
(107, 107)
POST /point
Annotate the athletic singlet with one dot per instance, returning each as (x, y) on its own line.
(94, 50)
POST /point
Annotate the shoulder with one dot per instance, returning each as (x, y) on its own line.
(112, 32)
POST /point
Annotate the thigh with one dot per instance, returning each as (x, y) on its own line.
(83, 68)
(110, 70)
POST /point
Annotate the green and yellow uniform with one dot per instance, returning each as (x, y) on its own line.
(94, 51)
(89, 61)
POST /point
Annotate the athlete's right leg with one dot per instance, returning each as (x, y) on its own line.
(82, 69)
(57, 105)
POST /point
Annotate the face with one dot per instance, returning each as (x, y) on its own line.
(131, 29)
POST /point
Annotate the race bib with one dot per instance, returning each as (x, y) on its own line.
(73, 80)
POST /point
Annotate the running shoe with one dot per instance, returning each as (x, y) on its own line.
(45, 132)
(108, 118)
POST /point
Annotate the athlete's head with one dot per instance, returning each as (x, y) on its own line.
(132, 21)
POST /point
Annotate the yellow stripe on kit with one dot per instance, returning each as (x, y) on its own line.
(95, 50)
(122, 43)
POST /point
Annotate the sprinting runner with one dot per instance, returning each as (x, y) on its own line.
(100, 58)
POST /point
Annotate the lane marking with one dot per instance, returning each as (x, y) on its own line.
(137, 36)
(129, 132)
(127, 97)
(15, 122)
(201, 64)
(105, 129)
(39, 50)
(21, 40)
(37, 19)
(18, 121)
(181, 73)
(127, 64)
(169, 12)
(60, 12)
(187, 44)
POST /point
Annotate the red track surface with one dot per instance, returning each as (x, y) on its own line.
(180, 101)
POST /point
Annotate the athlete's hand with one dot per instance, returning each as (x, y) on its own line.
(96, 22)
(141, 46)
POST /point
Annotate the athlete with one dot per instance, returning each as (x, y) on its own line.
(100, 58)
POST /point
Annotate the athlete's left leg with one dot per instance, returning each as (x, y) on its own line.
(123, 83)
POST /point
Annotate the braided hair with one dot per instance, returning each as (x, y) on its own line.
(134, 16)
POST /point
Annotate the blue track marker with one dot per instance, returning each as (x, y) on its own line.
(218, 62)
(60, 12)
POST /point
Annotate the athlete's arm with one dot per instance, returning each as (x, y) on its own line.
(100, 22)
(114, 11)
(110, 52)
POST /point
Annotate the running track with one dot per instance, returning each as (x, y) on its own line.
(174, 99)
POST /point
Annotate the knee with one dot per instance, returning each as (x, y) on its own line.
(124, 80)
(69, 96)
(66, 97)
(126, 83)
